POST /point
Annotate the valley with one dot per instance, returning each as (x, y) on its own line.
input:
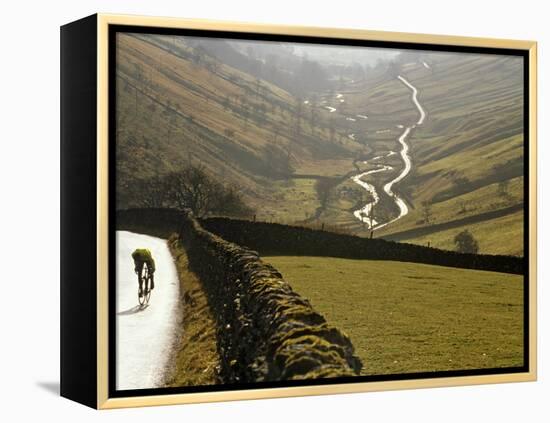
(407, 145)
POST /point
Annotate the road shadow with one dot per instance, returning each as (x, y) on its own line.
(134, 310)
(51, 387)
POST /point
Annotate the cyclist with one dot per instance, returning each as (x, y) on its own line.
(143, 256)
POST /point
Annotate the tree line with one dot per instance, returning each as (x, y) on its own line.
(193, 188)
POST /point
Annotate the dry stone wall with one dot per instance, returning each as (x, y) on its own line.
(277, 239)
(265, 330)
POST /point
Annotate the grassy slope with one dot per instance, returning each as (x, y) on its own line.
(406, 317)
(172, 111)
(196, 361)
(473, 131)
(492, 235)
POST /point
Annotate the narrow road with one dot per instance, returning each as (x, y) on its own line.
(364, 213)
(144, 334)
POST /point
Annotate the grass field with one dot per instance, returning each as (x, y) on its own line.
(294, 200)
(406, 317)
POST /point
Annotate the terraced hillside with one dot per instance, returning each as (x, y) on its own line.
(467, 155)
(178, 105)
(293, 155)
(470, 157)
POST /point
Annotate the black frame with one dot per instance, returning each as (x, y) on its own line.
(114, 29)
(78, 305)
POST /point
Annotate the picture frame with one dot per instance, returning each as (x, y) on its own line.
(94, 320)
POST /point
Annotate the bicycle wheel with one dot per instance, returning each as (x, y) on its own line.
(148, 290)
(144, 279)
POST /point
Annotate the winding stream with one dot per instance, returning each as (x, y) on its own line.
(364, 214)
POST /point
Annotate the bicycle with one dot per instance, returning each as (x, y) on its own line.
(144, 280)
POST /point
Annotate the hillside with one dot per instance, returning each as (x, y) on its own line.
(186, 101)
(467, 155)
(177, 106)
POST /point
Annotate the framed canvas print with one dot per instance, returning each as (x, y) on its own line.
(255, 211)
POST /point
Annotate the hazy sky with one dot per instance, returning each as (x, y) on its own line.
(321, 53)
(343, 54)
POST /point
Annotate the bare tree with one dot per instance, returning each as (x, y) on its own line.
(427, 211)
(193, 188)
(324, 187)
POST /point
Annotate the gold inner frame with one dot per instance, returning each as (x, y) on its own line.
(103, 22)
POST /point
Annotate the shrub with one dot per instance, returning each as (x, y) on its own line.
(466, 243)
